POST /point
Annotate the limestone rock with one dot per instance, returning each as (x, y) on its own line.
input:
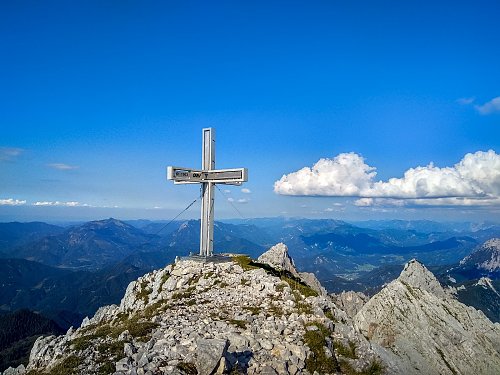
(311, 280)
(209, 354)
(20, 370)
(278, 258)
(351, 302)
(416, 328)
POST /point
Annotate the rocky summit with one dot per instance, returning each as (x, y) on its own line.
(239, 316)
(191, 317)
(419, 328)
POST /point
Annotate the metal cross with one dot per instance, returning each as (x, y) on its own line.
(208, 176)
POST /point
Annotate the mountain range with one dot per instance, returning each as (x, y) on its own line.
(239, 315)
(67, 273)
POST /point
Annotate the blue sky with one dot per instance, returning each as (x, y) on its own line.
(99, 97)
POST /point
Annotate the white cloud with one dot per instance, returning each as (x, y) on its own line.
(245, 191)
(58, 203)
(364, 202)
(11, 202)
(476, 177)
(62, 166)
(243, 200)
(227, 191)
(345, 175)
(489, 107)
(465, 101)
(329, 209)
(9, 153)
(230, 199)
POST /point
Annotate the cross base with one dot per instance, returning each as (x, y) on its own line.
(215, 258)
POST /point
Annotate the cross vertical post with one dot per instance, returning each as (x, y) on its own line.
(207, 176)
(207, 193)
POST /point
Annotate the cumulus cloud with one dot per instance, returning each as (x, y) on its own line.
(58, 203)
(245, 191)
(62, 166)
(243, 200)
(489, 107)
(9, 153)
(476, 177)
(11, 202)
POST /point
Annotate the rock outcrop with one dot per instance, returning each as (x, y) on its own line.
(278, 258)
(351, 302)
(418, 328)
(211, 318)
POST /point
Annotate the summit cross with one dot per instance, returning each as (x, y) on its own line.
(208, 176)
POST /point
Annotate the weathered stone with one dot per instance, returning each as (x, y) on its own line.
(208, 354)
(123, 364)
(433, 332)
(278, 258)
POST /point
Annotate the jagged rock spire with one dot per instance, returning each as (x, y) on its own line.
(278, 258)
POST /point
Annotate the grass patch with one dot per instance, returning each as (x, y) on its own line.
(188, 293)
(187, 368)
(111, 349)
(154, 309)
(318, 360)
(280, 287)
(299, 286)
(346, 351)
(144, 292)
(194, 279)
(68, 366)
(329, 315)
(208, 275)
(238, 323)
(295, 283)
(140, 330)
(107, 368)
(137, 329)
(276, 310)
(304, 308)
(244, 262)
(164, 279)
(374, 368)
(254, 310)
(244, 281)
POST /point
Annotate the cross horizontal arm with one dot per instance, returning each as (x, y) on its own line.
(219, 176)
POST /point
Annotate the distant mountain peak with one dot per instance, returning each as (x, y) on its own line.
(486, 257)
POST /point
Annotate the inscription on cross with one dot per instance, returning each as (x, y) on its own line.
(207, 176)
